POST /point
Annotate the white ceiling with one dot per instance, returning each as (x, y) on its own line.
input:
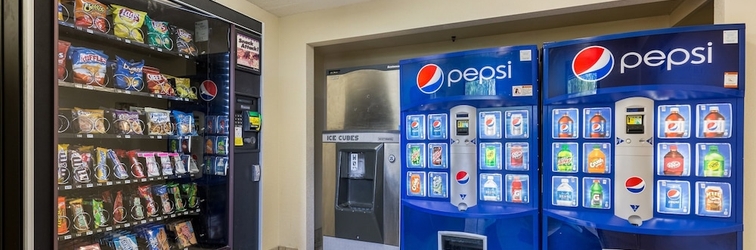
(290, 7)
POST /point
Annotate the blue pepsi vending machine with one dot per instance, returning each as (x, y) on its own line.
(469, 160)
(643, 147)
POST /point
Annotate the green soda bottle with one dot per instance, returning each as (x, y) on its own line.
(713, 163)
(564, 159)
(597, 194)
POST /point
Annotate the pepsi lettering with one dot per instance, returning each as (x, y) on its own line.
(675, 57)
(431, 77)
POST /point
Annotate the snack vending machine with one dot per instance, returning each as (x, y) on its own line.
(469, 150)
(644, 143)
(144, 94)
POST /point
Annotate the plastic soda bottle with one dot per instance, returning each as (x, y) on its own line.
(598, 126)
(597, 194)
(713, 163)
(516, 156)
(564, 194)
(516, 190)
(564, 159)
(596, 161)
(674, 162)
(491, 190)
(674, 124)
(714, 123)
(565, 126)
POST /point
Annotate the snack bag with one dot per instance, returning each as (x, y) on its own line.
(81, 162)
(184, 123)
(190, 192)
(178, 164)
(144, 192)
(158, 122)
(93, 246)
(99, 214)
(137, 170)
(185, 42)
(62, 55)
(210, 145)
(102, 171)
(127, 122)
(184, 88)
(156, 82)
(119, 211)
(62, 219)
(91, 14)
(80, 219)
(162, 238)
(185, 234)
(119, 169)
(173, 189)
(151, 163)
(63, 171)
(158, 34)
(128, 74)
(165, 202)
(90, 121)
(89, 66)
(126, 242)
(165, 162)
(210, 124)
(128, 23)
(222, 127)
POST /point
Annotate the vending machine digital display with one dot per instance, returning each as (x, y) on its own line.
(469, 139)
(643, 142)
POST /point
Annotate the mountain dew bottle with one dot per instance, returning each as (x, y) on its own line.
(564, 159)
(713, 163)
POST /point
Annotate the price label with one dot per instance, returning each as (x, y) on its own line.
(108, 228)
(67, 237)
(90, 136)
(152, 95)
(186, 56)
(144, 179)
(78, 186)
(89, 232)
(78, 86)
(90, 87)
(127, 92)
(159, 96)
(160, 218)
(109, 183)
(127, 181)
(173, 216)
(198, 210)
(127, 136)
(185, 213)
(160, 137)
(160, 50)
(79, 136)
(67, 187)
(118, 182)
(117, 227)
(144, 221)
(90, 31)
(90, 185)
(127, 40)
(127, 225)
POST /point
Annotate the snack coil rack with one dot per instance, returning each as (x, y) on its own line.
(70, 236)
(121, 91)
(125, 182)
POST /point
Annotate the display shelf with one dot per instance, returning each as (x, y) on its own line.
(501, 210)
(112, 136)
(189, 212)
(67, 187)
(121, 91)
(657, 226)
(96, 36)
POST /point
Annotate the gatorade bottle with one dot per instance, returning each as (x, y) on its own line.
(564, 194)
(713, 163)
(714, 123)
(674, 163)
(491, 190)
(596, 161)
(597, 195)
(598, 126)
(565, 126)
(674, 124)
(564, 159)
(517, 190)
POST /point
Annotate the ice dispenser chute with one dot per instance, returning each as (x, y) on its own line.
(359, 191)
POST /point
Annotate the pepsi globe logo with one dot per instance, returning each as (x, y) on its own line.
(596, 127)
(564, 128)
(436, 124)
(208, 90)
(489, 122)
(593, 63)
(414, 124)
(672, 126)
(635, 184)
(462, 177)
(430, 78)
(711, 126)
(516, 121)
(673, 194)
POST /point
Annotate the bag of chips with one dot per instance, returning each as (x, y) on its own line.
(161, 191)
(158, 122)
(128, 23)
(89, 66)
(62, 55)
(184, 88)
(184, 123)
(90, 121)
(91, 14)
(158, 34)
(128, 74)
(184, 234)
(185, 42)
(190, 192)
(165, 163)
(127, 122)
(173, 189)
(156, 82)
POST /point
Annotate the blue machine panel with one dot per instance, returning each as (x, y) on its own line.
(479, 166)
(655, 118)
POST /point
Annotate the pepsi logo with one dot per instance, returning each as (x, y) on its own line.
(635, 184)
(490, 122)
(596, 127)
(672, 126)
(711, 126)
(564, 128)
(208, 90)
(414, 124)
(462, 177)
(436, 124)
(430, 78)
(593, 63)
(516, 121)
(673, 194)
